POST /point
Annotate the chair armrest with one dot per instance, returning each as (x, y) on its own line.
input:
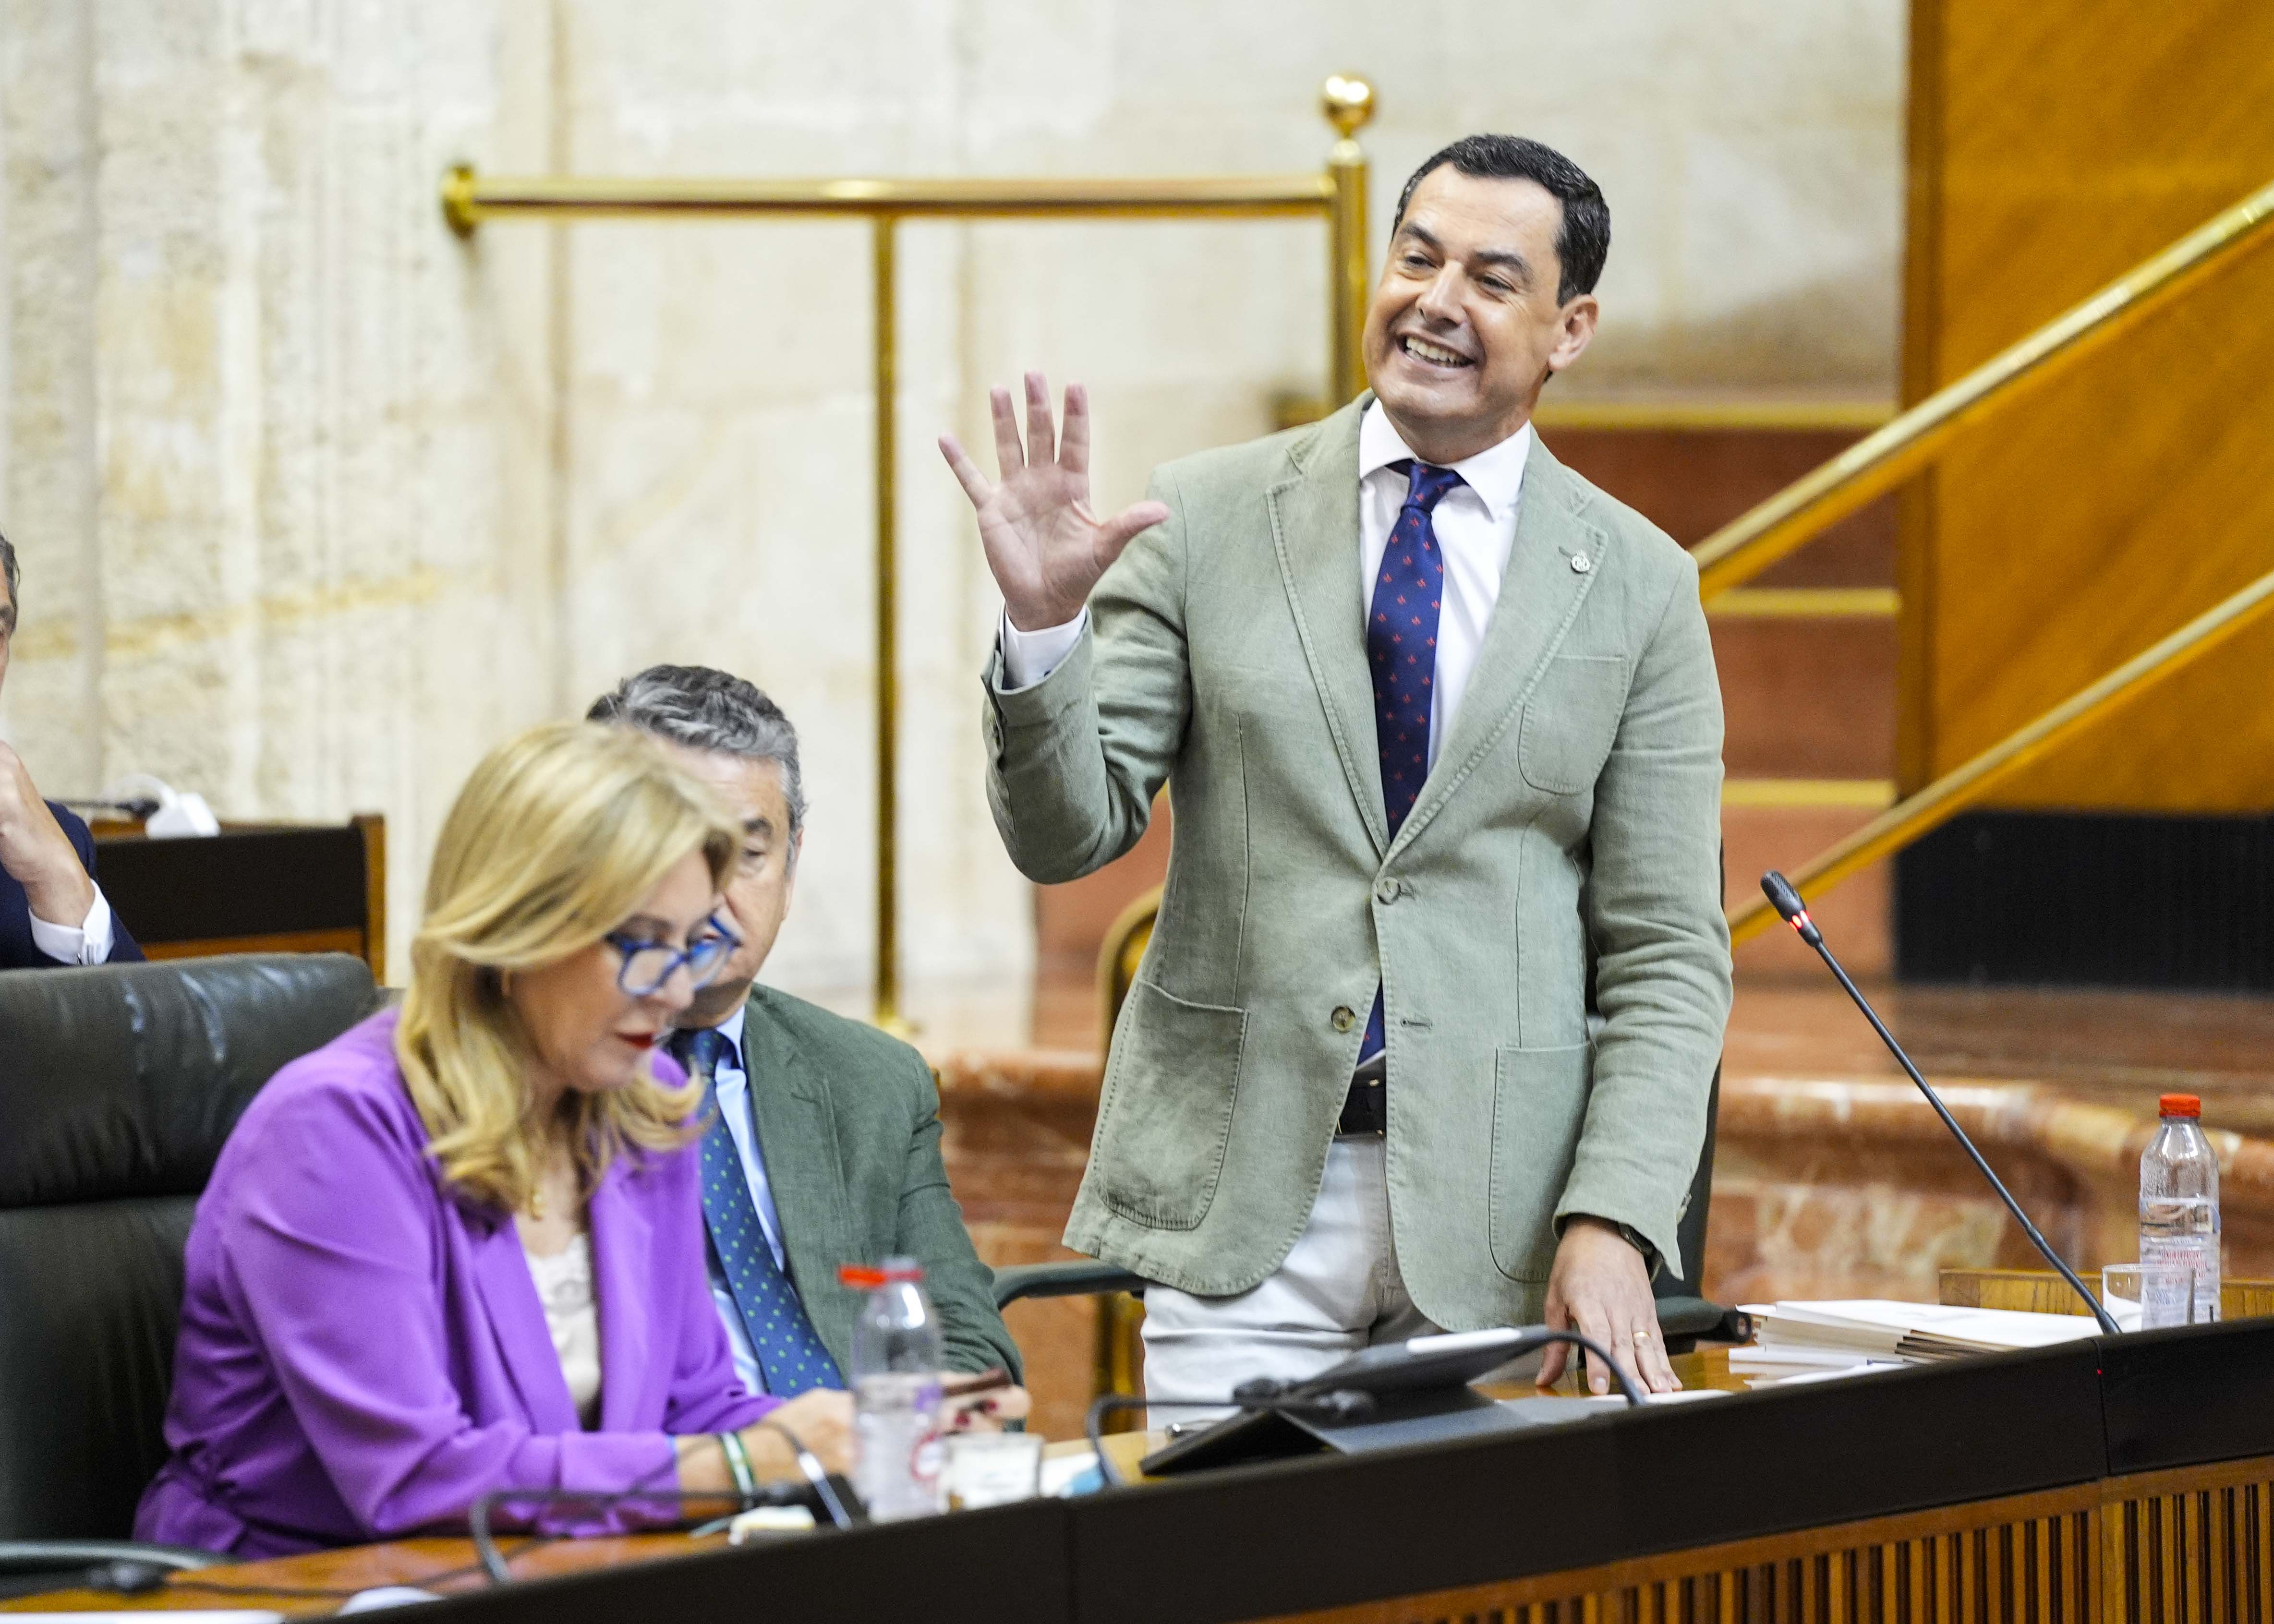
(62, 1555)
(1685, 1321)
(1079, 1277)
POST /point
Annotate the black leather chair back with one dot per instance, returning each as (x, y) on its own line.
(117, 1087)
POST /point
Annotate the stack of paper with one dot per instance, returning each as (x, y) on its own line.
(1818, 1339)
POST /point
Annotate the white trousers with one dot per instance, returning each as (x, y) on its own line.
(1339, 1290)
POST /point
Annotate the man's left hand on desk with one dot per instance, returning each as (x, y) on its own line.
(1599, 1287)
(982, 1408)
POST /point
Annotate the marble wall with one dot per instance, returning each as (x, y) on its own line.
(317, 502)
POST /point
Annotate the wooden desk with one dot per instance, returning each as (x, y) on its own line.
(2108, 1481)
(255, 888)
(315, 1584)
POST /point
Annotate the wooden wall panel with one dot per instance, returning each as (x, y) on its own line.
(2052, 147)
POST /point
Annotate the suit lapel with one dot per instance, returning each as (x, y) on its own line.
(1315, 530)
(621, 1235)
(1538, 598)
(517, 1321)
(797, 1134)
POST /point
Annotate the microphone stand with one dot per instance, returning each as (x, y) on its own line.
(1785, 901)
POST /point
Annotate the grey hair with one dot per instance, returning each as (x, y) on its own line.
(8, 568)
(707, 710)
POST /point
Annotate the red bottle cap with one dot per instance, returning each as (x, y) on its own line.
(2179, 1105)
(863, 1279)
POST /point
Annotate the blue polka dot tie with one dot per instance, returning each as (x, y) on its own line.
(1401, 648)
(790, 1353)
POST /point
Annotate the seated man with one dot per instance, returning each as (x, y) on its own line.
(51, 911)
(827, 1143)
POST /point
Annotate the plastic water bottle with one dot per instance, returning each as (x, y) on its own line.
(897, 1449)
(2179, 1199)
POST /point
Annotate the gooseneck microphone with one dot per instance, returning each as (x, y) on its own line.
(1788, 906)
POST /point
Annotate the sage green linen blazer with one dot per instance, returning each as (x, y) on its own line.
(1547, 924)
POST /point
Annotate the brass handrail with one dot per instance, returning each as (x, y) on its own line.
(1901, 823)
(1957, 790)
(469, 198)
(1747, 544)
(1935, 805)
(1336, 195)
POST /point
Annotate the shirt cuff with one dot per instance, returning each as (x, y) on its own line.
(88, 942)
(1029, 657)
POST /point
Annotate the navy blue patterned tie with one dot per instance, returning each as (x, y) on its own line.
(1401, 648)
(790, 1353)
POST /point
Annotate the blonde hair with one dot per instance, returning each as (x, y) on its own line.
(553, 842)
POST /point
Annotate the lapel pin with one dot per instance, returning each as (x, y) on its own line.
(1581, 564)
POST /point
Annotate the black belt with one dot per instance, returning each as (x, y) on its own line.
(1366, 1109)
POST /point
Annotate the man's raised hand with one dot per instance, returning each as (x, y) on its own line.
(1044, 545)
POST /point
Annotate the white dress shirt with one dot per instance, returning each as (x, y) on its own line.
(733, 1084)
(1475, 523)
(87, 943)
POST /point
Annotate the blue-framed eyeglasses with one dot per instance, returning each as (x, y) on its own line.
(648, 965)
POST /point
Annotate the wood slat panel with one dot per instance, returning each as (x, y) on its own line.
(2258, 1563)
(2187, 1546)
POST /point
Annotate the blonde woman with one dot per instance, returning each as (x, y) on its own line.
(460, 1249)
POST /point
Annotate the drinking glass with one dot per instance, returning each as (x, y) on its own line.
(2142, 1297)
(993, 1468)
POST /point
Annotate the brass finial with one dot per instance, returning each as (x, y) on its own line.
(1348, 102)
(458, 200)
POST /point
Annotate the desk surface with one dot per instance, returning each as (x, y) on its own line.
(316, 1584)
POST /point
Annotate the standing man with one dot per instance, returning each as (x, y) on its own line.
(1425, 1033)
(824, 1146)
(51, 911)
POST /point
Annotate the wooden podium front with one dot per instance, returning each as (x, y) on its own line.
(2111, 1479)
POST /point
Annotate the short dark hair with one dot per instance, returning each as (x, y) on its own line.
(1583, 241)
(8, 568)
(705, 709)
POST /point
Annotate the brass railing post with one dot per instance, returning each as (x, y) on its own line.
(1337, 196)
(886, 341)
(1349, 104)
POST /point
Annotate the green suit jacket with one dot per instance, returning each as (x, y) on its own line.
(1547, 925)
(848, 1120)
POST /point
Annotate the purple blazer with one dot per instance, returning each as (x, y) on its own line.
(364, 1355)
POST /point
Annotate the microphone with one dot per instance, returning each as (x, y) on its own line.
(1789, 907)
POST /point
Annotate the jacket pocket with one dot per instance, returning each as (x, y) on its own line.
(1166, 1115)
(1540, 1103)
(1571, 720)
